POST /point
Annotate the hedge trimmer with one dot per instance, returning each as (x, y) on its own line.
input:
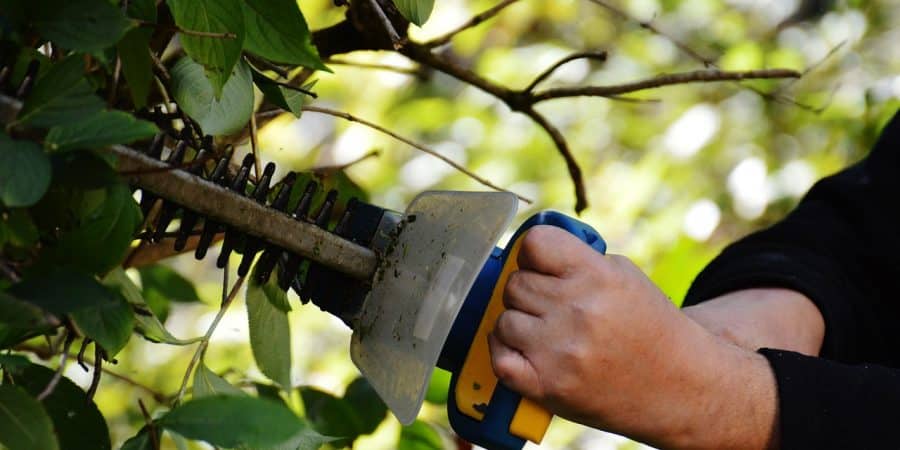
(419, 288)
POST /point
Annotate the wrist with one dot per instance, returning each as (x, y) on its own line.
(738, 407)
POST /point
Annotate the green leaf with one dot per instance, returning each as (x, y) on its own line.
(103, 315)
(24, 425)
(194, 93)
(305, 439)
(146, 322)
(162, 281)
(24, 172)
(277, 30)
(63, 291)
(102, 236)
(142, 9)
(207, 383)
(217, 55)
(13, 362)
(109, 324)
(369, 407)
(330, 415)
(142, 440)
(270, 334)
(419, 436)
(232, 421)
(99, 130)
(137, 65)
(270, 392)
(416, 11)
(61, 95)
(84, 25)
(19, 320)
(287, 98)
(76, 421)
(19, 228)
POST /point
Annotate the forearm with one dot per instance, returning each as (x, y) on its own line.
(763, 318)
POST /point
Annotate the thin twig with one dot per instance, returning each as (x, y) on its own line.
(207, 34)
(339, 167)
(810, 68)
(160, 67)
(597, 56)
(266, 64)
(471, 23)
(432, 152)
(417, 72)
(388, 26)
(70, 337)
(226, 301)
(571, 164)
(648, 25)
(111, 98)
(663, 80)
(151, 428)
(47, 353)
(9, 272)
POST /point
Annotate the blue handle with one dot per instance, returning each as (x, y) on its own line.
(492, 432)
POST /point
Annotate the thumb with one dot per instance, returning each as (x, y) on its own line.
(513, 369)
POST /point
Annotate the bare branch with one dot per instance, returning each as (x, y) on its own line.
(70, 336)
(663, 80)
(396, 40)
(201, 349)
(648, 25)
(597, 56)
(471, 23)
(154, 437)
(574, 170)
(432, 152)
(417, 72)
(339, 167)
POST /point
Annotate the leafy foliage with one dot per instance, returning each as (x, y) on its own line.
(77, 422)
(232, 421)
(99, 73)
(25, 424)
(270, 332)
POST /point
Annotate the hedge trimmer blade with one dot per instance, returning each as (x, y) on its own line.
(421, 283)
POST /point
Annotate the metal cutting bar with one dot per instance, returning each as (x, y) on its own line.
(244, 214)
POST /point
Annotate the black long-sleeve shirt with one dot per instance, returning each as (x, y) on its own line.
(841, 248)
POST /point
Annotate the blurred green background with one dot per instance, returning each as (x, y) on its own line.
(670, 182)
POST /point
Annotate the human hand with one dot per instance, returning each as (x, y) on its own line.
(592, 339)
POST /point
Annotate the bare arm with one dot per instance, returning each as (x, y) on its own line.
(758, 318)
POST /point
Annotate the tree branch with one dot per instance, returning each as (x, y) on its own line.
(662, 80)
(597, 56)
(432, 152)
(471, 23)
(417, 72)
(648, 25)
(571, 164)
(388, 26)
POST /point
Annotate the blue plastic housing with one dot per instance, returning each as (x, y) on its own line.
(492, 433)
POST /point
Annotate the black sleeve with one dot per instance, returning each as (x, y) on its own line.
(841, 248)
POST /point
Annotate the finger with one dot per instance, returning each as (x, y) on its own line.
(513, 369)
(551, 250)
(530, 292)
(516, 329)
